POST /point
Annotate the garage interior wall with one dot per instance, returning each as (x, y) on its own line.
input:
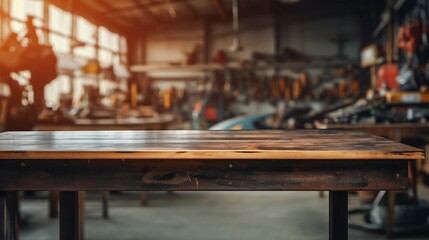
(258, 35)
(300, 36)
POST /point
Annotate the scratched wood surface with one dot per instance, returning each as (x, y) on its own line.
(394, 131)
(180, 145)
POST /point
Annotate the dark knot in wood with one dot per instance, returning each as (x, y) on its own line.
(165, 177)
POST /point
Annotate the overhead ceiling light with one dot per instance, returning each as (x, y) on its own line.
(171, 9)
(172, 12)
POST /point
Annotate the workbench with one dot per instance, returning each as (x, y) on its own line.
(160, 122)
(394, 131)
(302, 160)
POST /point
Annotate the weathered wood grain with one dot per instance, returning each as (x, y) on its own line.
(249, 160)
(153, 175)
(393, 131)
(181, 145)
(153, 123)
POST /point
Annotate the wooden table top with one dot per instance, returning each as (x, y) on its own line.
(159, 122)
(278, 145)
(393, 131)
(393, 126)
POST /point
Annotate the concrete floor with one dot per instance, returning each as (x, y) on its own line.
(200, 216)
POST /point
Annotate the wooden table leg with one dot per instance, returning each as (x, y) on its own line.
(2, 214)
(8, 219)
(17, 213)
(105, 200)
(143, 198)
(390, 215)
(338, 215)
(414, 178)
(53, 204)
(82, 196)
(69, 216)
(11, 219)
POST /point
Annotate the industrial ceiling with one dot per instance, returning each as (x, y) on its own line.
(129, 15)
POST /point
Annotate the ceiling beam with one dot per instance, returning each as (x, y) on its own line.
(288, 12)
(220, 9)
(111, 8)
(146, 10)
(214, 18)
(120, 11)
(191, 9)
(80, 9)
(301, 12)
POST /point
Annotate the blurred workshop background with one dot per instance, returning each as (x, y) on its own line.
(74, 65)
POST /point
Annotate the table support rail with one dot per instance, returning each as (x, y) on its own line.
(338, 215)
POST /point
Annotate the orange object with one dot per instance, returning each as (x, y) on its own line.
(134, 92)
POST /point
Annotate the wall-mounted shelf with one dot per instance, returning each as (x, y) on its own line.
(171, 68)
(236, 66)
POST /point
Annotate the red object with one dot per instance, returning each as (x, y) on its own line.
(220, 57)
(210, 113)
(388, 73)
(410, 36)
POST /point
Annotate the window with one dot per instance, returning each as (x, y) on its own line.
(105, 57)
(1, 22)
(54, 89)
(16, 26)
(59, 21)
(85, 31)
(109, 41)
(60, 29)
(60, 24)
(20, 10)
(86, 43)
(85, 52)
(111, 47)
(114, 42)
(123, 49)
(59, 43)
(105, 38)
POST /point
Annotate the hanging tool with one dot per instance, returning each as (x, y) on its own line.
(236, 43)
